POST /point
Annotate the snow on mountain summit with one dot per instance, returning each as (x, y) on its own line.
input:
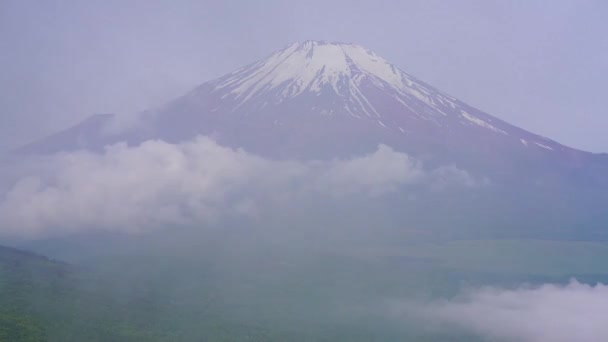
(312, 65)
(338, 78)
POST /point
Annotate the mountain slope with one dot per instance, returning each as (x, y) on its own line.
(323, 100)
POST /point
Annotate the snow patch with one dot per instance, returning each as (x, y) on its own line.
(479, 122)
(543, 146)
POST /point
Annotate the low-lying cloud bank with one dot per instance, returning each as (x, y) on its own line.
(155, 184)
(548, 313)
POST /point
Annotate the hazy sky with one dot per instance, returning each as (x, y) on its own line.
(538, 64)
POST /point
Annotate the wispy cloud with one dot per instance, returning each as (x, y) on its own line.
(547, 313)
(156, 183)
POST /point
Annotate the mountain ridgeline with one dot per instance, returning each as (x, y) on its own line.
(320, 100)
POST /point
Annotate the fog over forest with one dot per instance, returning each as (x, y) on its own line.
(335, 171)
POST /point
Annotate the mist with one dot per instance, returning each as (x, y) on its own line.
(313, 171)
(541, 313)
(200, 229)
(142, 188)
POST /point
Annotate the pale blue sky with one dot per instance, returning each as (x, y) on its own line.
(542, 65)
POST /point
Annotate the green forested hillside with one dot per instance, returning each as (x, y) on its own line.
(149, 300)
(46, 300)
(209, 292)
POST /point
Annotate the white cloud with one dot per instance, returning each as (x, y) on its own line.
(381, 172)
(548, 313)
(446, 176)
(157, 184)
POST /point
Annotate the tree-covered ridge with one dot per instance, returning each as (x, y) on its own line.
(46, 300)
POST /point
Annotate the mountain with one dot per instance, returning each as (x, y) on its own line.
(322, 100)
(319, 100)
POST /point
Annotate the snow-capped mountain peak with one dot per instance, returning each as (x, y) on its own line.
(311, 65)
(339, 78)
(321, 68)
(343, 95)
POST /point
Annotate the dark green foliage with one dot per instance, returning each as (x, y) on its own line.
(17, 328)
(44, 300)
